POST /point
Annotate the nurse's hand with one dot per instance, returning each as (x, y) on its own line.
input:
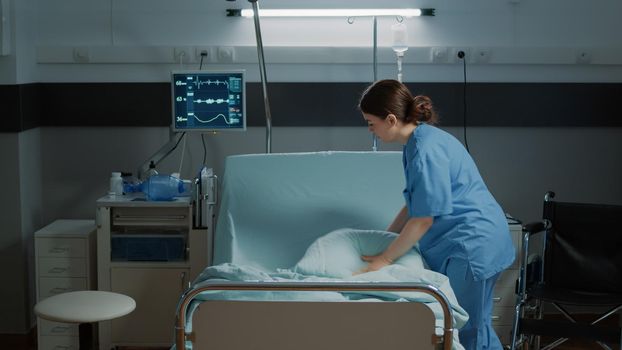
(375, 263)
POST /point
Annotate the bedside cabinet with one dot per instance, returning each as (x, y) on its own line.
(504, 296)
(65, 261)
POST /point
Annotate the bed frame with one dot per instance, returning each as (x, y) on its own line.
(296, 198)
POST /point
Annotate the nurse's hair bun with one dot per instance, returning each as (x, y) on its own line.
(422, 110)
(390, 96)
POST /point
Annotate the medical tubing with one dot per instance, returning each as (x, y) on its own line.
(204, 149)
(262, 72)
(400, 56)
(182, 306)
(181, 161)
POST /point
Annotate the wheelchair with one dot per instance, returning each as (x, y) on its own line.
(579, 268)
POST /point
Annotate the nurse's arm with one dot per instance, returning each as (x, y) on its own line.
(400, 221)
(412, 232)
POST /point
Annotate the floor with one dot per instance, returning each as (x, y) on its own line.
(28, 342)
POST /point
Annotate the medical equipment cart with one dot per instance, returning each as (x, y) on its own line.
(150, 251)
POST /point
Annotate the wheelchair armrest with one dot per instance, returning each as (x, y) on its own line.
(534, 227)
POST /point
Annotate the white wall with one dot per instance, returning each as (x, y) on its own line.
(134, 41)
(528, 41)
(7, 62)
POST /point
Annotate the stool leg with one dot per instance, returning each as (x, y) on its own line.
(85, 334)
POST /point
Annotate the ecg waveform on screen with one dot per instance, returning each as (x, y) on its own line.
(198, 83)
(209, 102)
(182, 119)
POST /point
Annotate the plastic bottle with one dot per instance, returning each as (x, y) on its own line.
(116, 183)
(163, 188)
(400, 38)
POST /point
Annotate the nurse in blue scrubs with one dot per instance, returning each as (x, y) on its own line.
(461, 230)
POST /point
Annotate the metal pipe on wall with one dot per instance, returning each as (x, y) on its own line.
(262, 72)
(374, 146)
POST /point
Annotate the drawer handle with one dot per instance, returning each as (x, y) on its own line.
(60, 329)
(58, 250)
(497, 299)
(153, 218)
(58, 270)
(58, 290)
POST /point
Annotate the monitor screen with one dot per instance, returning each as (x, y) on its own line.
(208, 100)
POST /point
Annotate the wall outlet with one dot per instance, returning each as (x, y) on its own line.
(439, 55)
(583, 57)
(454, 54)
(226, 54)
(481, 55)
(81, 54)
(198, 50)
(182, 54)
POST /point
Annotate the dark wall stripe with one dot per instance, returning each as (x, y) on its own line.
(10, 120)
(313, 104)
(105, 104)
(30, 108)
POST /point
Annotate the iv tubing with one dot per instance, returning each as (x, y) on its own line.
(400, 57)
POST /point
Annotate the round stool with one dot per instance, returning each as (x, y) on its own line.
(84, 307)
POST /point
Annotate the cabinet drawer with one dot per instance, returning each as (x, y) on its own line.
(57, 328)
(148, 217)
(502, 315)
(62, 267)
(49, 286)
(503, 297)
(155, 312)
(49, 342)
(61, 247)
(504, 292)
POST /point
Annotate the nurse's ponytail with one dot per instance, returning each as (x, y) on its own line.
(389, 96)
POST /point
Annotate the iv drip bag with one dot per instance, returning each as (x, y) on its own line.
(400, 37)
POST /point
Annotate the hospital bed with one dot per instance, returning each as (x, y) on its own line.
(273, 208)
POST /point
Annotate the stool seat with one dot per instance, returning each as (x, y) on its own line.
(85, 306)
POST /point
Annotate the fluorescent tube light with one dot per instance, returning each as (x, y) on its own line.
(408, 12)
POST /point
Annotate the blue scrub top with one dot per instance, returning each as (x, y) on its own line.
(442, 181)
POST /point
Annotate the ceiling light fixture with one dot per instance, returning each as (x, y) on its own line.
(406, 12)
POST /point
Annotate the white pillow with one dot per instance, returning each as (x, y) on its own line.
(338, 253)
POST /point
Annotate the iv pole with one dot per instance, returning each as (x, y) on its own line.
(374, 146)
(262, 73)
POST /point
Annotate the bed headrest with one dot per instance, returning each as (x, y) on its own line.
(273, 206)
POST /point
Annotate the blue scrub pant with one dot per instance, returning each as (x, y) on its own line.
(476, 298)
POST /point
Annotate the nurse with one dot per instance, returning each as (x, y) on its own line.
(461, 230)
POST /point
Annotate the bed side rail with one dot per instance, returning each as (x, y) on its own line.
(180, 322)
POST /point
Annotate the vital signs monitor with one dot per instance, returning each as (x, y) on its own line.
(208, 100)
